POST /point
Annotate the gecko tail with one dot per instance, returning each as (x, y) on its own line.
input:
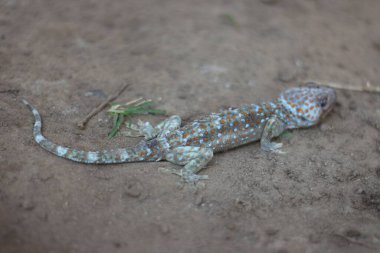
(144, 151)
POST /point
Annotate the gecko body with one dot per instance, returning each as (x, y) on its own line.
(194, 144)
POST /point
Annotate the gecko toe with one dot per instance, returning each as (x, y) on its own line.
(272, 147)
(193, 178)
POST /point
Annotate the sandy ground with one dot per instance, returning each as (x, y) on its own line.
(195, 57)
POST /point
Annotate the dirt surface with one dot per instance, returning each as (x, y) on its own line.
(65, 57)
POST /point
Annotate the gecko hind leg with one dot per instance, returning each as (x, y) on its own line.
(149, 132)
(273, 128)
(194, 159)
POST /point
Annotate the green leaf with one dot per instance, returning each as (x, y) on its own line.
(120, 111)
(118, 120)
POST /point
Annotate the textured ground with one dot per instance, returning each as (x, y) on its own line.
(196, 57)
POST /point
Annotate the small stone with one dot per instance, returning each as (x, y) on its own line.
(133, 189)
(95, 93)
(286, 76)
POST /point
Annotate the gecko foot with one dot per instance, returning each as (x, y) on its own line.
(193, 158)
(273, 147)
(191, 177)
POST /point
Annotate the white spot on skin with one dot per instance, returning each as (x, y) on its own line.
(124, 155)
(92, 156)
(170, 156)
(39, 138)
(34, 111)
(61, 151)
(37, 124)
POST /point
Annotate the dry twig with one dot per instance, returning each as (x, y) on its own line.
(367, 87)
(82, 124)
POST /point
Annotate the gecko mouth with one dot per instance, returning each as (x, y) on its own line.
(326, 112)
(328, 104)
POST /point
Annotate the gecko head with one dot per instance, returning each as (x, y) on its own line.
(307, 104)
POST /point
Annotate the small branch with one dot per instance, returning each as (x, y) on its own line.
(135, 101)
(82, 124)
(367, 87)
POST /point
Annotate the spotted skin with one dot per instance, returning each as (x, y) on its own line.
(194, 144)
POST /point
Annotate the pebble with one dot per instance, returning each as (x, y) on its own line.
(133, 189)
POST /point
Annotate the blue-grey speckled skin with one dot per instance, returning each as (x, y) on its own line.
(194, 144)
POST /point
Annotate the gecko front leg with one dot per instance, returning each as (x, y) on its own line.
(194, 159)
(149, 132)
(273, 128)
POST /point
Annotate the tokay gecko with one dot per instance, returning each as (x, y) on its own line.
(193, 145)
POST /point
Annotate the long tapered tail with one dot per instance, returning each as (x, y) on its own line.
(144, 151)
